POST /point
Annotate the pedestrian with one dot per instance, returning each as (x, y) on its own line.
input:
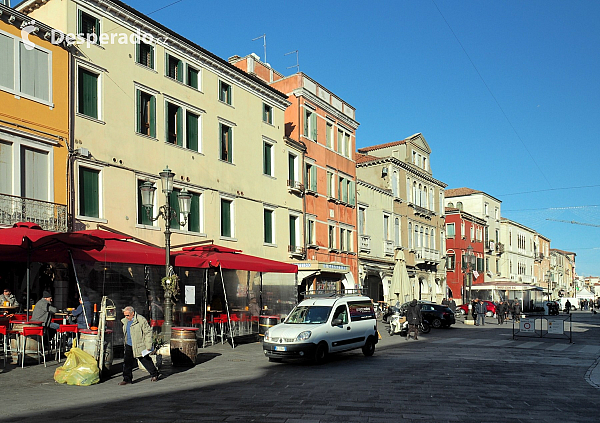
(500, 312)
(474, 304)
(8, 299)
(481, 311)
(568, 307)
(452, 305)
(83, 313)
(505, 309)
(44, 310)
(414, 318)
(445, 302)
(517, 312)
(137, 335)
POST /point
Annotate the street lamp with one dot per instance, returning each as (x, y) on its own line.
(549, 277)
(469, 261)
(166, 211)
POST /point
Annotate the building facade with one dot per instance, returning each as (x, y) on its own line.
(541, 264)
(324, 177)
(519, 256)
(34, 123)
(402, 167)
(488, 208)
(464, 230)
(562, 267)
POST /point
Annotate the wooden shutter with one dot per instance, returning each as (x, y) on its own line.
(7, 61)
(192, 77)
(179, 122)
(352, 193)
(313, 125)
(88, 93)
(153, 117)
(313, 178)
(225, 218)
(143, 218)
(292, 231)
(266, 158)
(192, 131)
(194, 217)
(138, 53)
(89, 200)
(174, 203)
(268, 219)
(306, 119)
(291, 173)
(138, 105)
(179, 71)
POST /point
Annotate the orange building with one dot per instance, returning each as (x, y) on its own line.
(325, 177)
(34, 123)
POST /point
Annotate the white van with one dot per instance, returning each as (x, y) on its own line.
(319, 326)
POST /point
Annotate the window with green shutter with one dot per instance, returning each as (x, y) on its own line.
(192, 77)
(340, 139)
(89, 26)
(293, 232)
(194, 216)
(352, 192)
(174, 203)
(88, 93)
(142, 215)
(226, 152)
(226, 218)
(267, 159)
(267, 114)
(89, 193)
(329, 135)
(144, 54)
(174, 124)
(192, 129)
(291, 170)
(174, 68)
(146, 114)
(225, 92)
(268, 226)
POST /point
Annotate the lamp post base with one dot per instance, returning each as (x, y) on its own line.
(168, 323)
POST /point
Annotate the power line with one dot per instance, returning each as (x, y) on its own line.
(549, 189)
(491, 93)
(554, 208)
(164, 7)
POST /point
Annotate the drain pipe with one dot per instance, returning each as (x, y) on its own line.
(71, 144)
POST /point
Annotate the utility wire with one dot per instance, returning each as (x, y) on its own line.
(550, 189)
(491, 93)
(164, 7)
(553, 208)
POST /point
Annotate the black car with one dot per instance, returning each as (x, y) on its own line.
(438, 316)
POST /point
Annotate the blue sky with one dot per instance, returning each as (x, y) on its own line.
(506, 93)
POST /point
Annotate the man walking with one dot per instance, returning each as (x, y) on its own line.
(414, 318)
(452, 305)
(481, 311)
(500, 312)
(137, 335)
(568, 307)
(517, 312)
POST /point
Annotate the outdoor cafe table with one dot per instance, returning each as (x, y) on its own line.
(8, 309)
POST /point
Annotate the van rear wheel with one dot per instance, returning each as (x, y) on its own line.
(369, 348)
(321, 353)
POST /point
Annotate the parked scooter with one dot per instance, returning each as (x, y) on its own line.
(399, 326)
(391, 311)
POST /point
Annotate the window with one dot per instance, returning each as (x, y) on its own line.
(227, 211)
(352, 193)
(292, 169)
(192, 77)
(386, 227)
(31, 79)
(343, 240)
(340, 141)
(451, 205)
(395, 183)
(225, 92)
(142, 215)
(34, 173)
(472, 233)
(331, 237)
(486, 210)
(194, 222)
(146, 114)
(397, 232)
(89, 26)
(89, 192)
(174, 68)
(87, 101)
(267, 114)
(310, 231)
(362, 216)
(450, 230)
(177, 133)
(226, 150)
(294, 232)
(268, 219)
(410, 238)
(310, 124)
(329, 135)
(462, 229)
(450, 262)
(330, 185)
(267, 158)
(346, 151)
(459, 205)
(311, 177)
(174, 124)
(144, 54)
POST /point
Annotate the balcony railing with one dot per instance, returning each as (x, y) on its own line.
(295, 187)
(365, 243)
(296, 251)
(50, 216)
(423, 254)
(388, 248)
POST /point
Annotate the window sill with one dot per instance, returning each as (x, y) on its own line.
(150, 227)
(19, 95)
(141, 65)
(226, 104)
(183, 83)
(183, 148)
(268, 244)
(146, 136)
(226, 238)
(93, 119)
(184, 232)
(226, 162)
(91, 219)
(268, 123)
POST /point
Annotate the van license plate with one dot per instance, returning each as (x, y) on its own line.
(277, 348)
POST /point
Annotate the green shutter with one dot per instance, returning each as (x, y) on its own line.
(340, 180)
(267, 159)
(306, 117)
(268, 220)
(192, 77)
(230, 145)
(97, 26)
(313, 123)
(89, 200)
(194, 217)
(352, 193)
(153, 117)
(229, 99)
(138, 53)
(88, 93)
(291, 172)
(138, 105)
(174, 203)
(179, 119)
(264, 112)
(192, 131)
(329, 178)
(313, 178)
(179, 71)
(143, 218)
(292, 231)
(225, 218)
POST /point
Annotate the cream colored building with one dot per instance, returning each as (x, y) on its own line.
(165, 101)
(403, 167)
(541, 264)
(518, 258)
(562, 266)
(486, 207)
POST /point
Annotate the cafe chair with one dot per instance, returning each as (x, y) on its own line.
(235, 324)
(4, 332)
(29, 331)
(246, 323)
(63, 333)
(19, 316)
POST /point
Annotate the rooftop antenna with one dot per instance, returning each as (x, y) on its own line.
(297, 65)
(264, 37)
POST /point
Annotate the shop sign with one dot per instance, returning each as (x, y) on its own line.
(556, 326)
(337, 268)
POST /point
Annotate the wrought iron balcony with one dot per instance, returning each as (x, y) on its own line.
(50, 216)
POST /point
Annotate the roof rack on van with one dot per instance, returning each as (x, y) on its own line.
(330, 293)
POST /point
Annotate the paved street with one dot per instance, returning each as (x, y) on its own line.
(466, 373)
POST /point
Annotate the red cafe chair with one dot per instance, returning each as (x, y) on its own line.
(61, 335)
(32, 331)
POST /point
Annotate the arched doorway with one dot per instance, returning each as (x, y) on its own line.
(374, 287)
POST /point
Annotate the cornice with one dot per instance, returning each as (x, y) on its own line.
(407, 166)
(339, 115)
(373, 187)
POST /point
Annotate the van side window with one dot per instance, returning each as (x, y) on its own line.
(342, 314)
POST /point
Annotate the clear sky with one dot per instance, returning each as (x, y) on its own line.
(506, 93)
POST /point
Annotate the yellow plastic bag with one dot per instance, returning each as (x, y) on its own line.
(80, 369)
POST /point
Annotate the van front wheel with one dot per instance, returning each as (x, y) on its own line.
(321, 353)
(369, 348)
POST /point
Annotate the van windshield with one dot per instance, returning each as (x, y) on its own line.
(308, 314)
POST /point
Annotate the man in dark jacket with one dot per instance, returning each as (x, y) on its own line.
(500, 312)
(414, 318)
(44, 310)
(83, 313)
(452, 305)
(517, 312)
(481, 311)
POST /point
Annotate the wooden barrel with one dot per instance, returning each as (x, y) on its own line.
(184, 347)
(88, 339)
(265, 322)
(31, 345)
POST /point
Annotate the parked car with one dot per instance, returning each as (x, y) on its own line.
(438, 316)
(322, 325)
(491, 308)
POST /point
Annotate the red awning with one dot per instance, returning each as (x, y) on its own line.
(213, 256)
(122, 251)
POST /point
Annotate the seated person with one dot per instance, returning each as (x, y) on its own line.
(8, 299)
(44, 310)
(83, 313)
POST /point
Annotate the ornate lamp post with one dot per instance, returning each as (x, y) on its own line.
(469, 262)
(166, 211)
(549, 277)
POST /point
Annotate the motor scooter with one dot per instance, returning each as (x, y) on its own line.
(399, 325)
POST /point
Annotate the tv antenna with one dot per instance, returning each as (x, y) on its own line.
(297, 65)
(264, 37)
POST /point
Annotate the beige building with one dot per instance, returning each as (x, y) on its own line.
(486, 207)
(518, 258)
(142, 105)
(403, 168)
(541, 264)
(562, 266)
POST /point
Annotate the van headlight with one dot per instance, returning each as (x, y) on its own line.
(303, 336)
(267, 336)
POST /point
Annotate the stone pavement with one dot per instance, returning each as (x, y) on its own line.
(462, 374)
